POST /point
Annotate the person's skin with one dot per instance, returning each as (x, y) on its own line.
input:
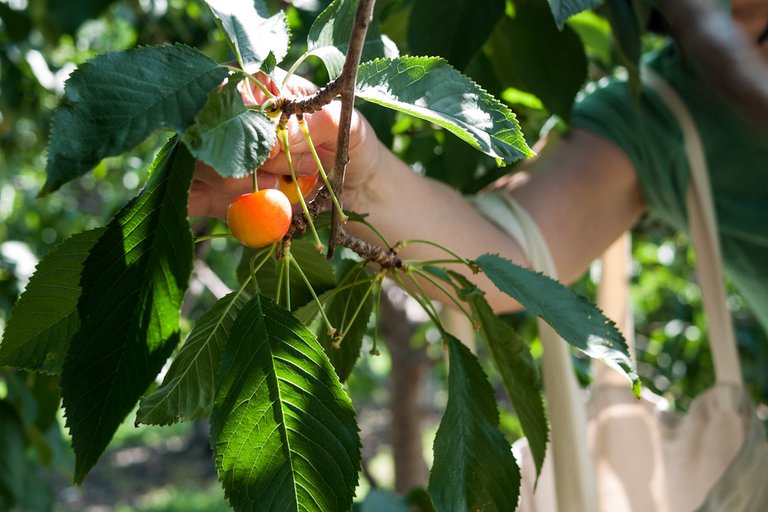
(582, 190)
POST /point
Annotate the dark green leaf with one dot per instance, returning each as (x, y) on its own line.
(251, 31)
(564, 9)
(352, 297)
(16, 24)
(12, 460)
(328, 37)
(45, 318)
(514, 362)
(474, 468)
(430, 89)
(283, 431)
(227, 136)
(114, 101)
(548, 62)
(576, 320)
(133, 283)
(189, 386)
(627, 32)
(316, 267)
(453, 29)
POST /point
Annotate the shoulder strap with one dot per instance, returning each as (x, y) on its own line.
(703, 228)
(575, 485)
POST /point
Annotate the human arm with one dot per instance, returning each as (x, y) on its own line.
(581, 191)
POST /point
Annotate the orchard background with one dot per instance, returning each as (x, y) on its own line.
(532, 55)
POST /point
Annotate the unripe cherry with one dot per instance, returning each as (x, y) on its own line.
(260, 218)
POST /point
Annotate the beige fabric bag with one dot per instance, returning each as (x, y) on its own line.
(623, 454)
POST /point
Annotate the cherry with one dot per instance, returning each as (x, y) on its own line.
(306, 185)
(260, 218)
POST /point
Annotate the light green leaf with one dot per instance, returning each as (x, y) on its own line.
(351, 297)
(229, 137)
(453, 29)
(45, 318)
(564, 9)
(430, 89)
(329, 35)
(474, 468)
(114, 101)
(252, 33)
(315, 266)
(188, 389)
(283, 431)
(133, 284)
(549, 63)
(514, 362)
(576, 320)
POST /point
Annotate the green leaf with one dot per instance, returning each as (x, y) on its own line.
(252, 33)
(45, 318)
(514, 362)
(315, 266)
(474, 468)
(430, 89)
(133, 284)
(229, 137)
(188, 389)
(328, 38)
(283, 431)
(12, 460)
(576, 320)
(564, 9)
(352, 297)
(114, 101)
(453, 29)
(548, 62)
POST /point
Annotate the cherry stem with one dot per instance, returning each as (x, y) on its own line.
(212, 236)
(460, 259)
(253, 79)
(434, 282)
(376, 308)
(426, 306)
(267, 253)
(305, 130)
(359, 308)
(315, 298)
(287, 148)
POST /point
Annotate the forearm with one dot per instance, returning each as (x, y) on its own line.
(404, 205)
(582, 193)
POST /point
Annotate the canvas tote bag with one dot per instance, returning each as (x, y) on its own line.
(613, 452)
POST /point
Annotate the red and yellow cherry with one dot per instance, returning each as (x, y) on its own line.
(258, 219)
(306, 185)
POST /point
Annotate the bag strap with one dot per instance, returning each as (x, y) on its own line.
(575, 485)
(703, 229)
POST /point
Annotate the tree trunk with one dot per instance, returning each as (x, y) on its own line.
(409, 368)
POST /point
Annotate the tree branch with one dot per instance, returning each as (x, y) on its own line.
(344, 87)
(347, 78)
(729, 61)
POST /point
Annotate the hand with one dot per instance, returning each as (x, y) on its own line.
(211, 193)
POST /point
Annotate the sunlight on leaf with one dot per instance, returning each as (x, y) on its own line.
(301, 449)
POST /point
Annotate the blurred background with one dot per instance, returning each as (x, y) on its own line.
(400, 393)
